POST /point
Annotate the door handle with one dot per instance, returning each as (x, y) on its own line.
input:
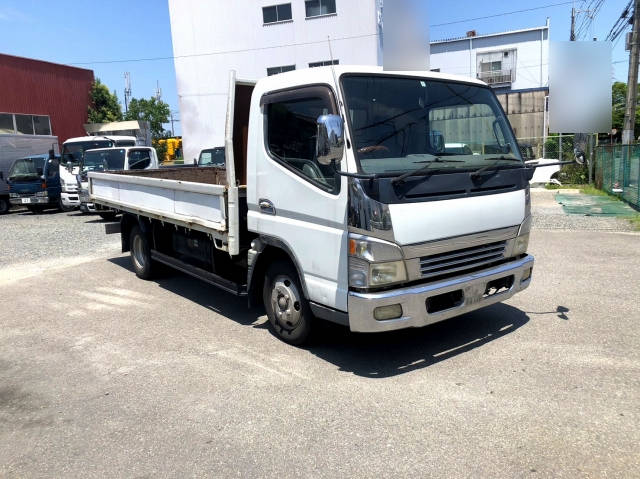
(266, 207)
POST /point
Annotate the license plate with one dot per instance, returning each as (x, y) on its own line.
(26, 200)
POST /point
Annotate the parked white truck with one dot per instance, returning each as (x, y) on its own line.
(111, 159)
(72, 153)
(339, 201)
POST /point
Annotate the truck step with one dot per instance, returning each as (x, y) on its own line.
(211, 278)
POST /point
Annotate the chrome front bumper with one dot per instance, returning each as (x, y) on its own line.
(469, 288)
(70, 198)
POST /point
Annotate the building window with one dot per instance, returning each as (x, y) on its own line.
(14, 123)
(41, 125)
(324, 63)
(277, 13)
(497, 68)
(316, 8)
(6, 123)
(276, 70)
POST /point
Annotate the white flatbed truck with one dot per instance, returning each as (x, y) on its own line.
(339, 201)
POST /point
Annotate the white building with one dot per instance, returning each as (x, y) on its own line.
(258, 38)
(263, 37)
(514, 60)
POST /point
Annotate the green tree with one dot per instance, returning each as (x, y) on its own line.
(156, 112)
(619, 104)
(104, 106)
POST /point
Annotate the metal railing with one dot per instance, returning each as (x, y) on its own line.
(618, 171)
(497, 76)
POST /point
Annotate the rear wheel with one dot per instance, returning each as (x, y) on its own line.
(288, 311)
(140, 254)
(108, 215)
(4, 206)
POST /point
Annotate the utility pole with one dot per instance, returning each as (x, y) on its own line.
(632, 82)
(127, 90)
(572, 36)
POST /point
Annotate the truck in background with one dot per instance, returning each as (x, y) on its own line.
(34, 182)
(339, 201)
(111, 159)
(12, 147)
(212, 157)
(72, 153)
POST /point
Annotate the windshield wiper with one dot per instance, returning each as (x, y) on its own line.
(402, 177)
(495, 166)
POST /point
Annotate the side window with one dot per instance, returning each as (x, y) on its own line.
(291, 135)
(139, 159)
(52, 168)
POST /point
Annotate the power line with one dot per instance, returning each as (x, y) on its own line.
(173, 57)
(504, 13)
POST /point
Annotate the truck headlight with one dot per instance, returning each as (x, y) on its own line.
(521, 244)
(42, 193)
(374, 262)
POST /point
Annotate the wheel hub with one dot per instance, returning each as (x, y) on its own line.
(285, 301)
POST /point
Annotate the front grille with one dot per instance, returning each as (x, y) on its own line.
(461, 259)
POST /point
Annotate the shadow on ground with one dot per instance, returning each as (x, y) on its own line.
(368, 355)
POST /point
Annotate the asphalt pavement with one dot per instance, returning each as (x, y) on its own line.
(103, 374)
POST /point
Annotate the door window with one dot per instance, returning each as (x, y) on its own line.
(52, 168)
(139, 159)
(291, 129)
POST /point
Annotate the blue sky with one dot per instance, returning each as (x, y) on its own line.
(84, 34)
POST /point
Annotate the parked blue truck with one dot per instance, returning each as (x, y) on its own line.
(34, 182)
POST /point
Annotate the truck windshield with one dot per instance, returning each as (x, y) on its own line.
(73, 152)
(212, 157)
(112, 159)
(27, 169)
(400, 123)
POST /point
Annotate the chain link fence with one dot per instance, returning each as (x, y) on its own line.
(618, 171)
(560, 148)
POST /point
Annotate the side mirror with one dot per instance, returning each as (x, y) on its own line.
(52, 154)
(436, 139)
(195, 162)
(579, 155)
(330, 139)
(39, 171)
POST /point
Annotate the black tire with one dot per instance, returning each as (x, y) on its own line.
(108, 215)
(4, 206)
(63, 208)
(289, 314)
(36, 210)
(140, 254)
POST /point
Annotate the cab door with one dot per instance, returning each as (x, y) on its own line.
(52, 175)
(298, 202)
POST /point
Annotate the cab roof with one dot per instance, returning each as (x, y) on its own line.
(310, 76)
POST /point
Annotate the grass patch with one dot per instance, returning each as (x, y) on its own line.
(552, 186)
(635, 221)
(592, 190)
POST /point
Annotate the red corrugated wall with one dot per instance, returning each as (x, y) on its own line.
(42, 88)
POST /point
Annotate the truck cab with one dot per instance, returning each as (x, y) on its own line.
(72, 153)
(34, 182)
(111, 159)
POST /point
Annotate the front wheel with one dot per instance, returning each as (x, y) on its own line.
(140, 254)
(288, 311)
(4, 206)
(64, 208)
